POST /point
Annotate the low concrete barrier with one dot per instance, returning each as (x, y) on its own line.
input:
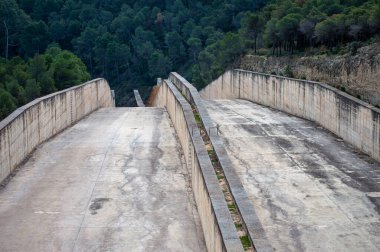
(37, 121)
(355, 121)
(218, 227)
(246, 209)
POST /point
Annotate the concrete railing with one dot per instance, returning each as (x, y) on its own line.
(27, 127)
(246, 209)
(217, 224)
(357, 122)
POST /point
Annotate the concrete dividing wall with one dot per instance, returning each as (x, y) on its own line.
(252, 223)
(37, 121)
(353, 120)
(218, 227)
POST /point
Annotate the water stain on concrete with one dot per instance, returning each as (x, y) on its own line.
(97, 204)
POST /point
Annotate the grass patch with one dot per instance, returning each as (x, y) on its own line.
(220, 176)
(238, 225)
(231, 206)
(245, 241)
(197, 118)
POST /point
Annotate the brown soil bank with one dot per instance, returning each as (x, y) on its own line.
(357, 74)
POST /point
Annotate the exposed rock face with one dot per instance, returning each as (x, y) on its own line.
(359, 74)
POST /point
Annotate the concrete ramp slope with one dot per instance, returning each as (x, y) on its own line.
(311, 190)
(114, 181)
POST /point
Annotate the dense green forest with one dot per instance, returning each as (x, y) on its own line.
(130, 43)
(23, 81)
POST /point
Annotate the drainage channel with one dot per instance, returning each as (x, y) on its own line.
(236, 217)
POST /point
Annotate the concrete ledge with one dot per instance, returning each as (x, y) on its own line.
(255, 231)
(37, 121)
(218, 227)
(357, 122)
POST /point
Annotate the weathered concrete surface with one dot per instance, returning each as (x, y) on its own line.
(37, 121)
(311, 191)
(115, 181)
(355, 121)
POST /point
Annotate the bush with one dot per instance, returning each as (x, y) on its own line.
(288, 72)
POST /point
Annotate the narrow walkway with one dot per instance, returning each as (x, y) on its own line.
(311, 191)
(115, 181)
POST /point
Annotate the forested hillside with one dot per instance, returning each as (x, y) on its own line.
(130, 43)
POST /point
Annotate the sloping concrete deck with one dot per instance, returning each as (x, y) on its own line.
(115, 181)
(311, 190)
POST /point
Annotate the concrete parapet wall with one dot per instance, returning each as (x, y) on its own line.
(37, 121)
(355, 121)
(218, 227)
(249, 217)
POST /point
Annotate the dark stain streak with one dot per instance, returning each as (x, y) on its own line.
(283, 142)
(253, 129)
(97, 204)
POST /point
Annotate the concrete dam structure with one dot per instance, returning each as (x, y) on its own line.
(251, 162)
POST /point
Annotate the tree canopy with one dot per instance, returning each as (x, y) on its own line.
(130, 43)
(23, 81)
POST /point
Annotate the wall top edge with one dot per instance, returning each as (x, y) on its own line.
(9, 119)
(324, 85)
(183, 80)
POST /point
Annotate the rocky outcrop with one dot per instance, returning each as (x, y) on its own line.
(357, 74)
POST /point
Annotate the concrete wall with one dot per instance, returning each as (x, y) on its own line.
(352, 119)
(249, 217)
(218, 227)
(139, 101)
(37, 121)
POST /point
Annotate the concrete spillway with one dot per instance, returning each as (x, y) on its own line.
(311, 191)
(115, 181)
(84, 176)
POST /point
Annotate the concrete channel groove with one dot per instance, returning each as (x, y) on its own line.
(236, 216)
(244, 207)
(241, 229)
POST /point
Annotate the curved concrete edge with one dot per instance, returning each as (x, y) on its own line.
(243, 203)
(217, 224)
(355, 121)
(30, 125)
(138, 99)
